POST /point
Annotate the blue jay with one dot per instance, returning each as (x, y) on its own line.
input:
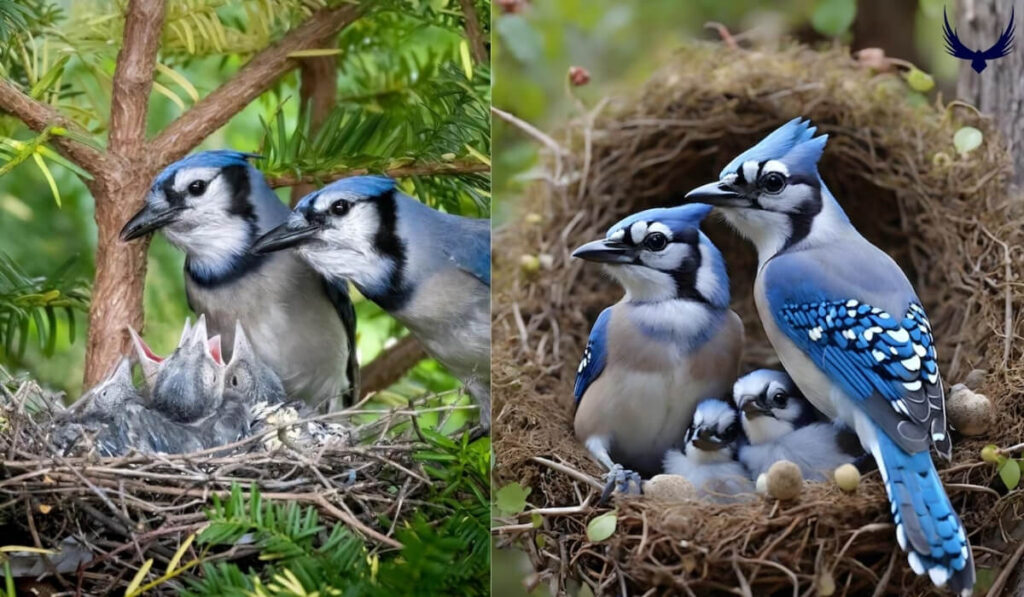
(430, 270)
(708, 455)
(151, 363)
(852, 333)
(213, 205)
(669, 343)
(780, 424)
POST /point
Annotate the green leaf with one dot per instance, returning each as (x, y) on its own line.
(967, 139)
(511, 499)
(832, 18)
(1009, 472)
(920, 80)
(602, 527)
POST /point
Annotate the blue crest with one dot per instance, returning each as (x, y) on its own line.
(216, 158)
(676, 218)
(793, 143)
(366, 187)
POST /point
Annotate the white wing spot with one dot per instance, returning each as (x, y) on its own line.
(900, 335)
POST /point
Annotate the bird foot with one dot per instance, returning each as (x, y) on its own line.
(621, 480)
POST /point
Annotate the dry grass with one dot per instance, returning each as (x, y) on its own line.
(946, 219)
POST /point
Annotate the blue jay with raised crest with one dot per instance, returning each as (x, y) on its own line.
(213, 205)
(780, 424)
(669, 343)
(850, 330)
(430, 270)
(708, 456)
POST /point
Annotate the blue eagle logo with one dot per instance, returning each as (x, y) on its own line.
(978, 59)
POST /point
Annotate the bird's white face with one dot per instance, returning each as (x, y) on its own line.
(347, 242)
(654, 263)
(770, 405)
(212, 221)
(713, 433)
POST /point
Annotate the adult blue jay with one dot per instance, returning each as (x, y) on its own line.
(430, 270)
(213, 205)
(850, 330)
(669, 343)
(780, 424)
(707, 457)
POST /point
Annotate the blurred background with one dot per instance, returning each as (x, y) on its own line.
(406, 91)
(619, 45)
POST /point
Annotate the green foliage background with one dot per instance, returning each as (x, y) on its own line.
(403, 96)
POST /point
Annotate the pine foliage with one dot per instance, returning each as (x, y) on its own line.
(36, 302)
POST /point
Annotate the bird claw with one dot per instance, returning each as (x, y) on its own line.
(621, 480)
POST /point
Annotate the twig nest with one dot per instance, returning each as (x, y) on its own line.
(670, 488)
(784, 480)
(847, 477)
(969, 413)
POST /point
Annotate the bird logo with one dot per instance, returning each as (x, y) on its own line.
(957, 49)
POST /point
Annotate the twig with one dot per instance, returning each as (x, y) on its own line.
(214, 110)
(455, 168)
(474, 32)
(1008, 569)
(575, 474)
(353, 522)
(530, 130)
(391, 364)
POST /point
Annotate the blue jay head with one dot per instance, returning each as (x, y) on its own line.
(770, 405)
(772, 192)
(714, 432)
(661, 254)
(346, 230)
(208, 204)
(246, 374)
(191, 380)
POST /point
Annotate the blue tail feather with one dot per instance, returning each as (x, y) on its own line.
(927, 527)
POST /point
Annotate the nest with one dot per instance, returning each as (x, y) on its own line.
(104, 517)
(946, 218)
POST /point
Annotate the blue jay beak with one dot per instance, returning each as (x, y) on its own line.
(706, 440)
(717, 194)
(284, 236)
(753, 408)
(606, 251)
(147, 220)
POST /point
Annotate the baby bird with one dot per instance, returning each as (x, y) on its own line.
(780, 424)
(708, 456)
(190, 382)
(150, 362)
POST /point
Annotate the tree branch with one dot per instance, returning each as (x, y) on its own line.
(473, 32)
(318, 92)
(443, 169)
(214, 110)
(133, 77)
(38, 116)
(390, 365)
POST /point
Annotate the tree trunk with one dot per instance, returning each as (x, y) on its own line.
(999, 89)
(318, 91)
(888, 25)
(120, 274)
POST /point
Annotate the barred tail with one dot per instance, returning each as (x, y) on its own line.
(927, 527)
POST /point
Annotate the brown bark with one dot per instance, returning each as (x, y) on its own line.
(390, 365)
(318, 91)
(458, 167)
(121, 268)
(888, 25)
(477, 44)
(214, 110)
(999, 89)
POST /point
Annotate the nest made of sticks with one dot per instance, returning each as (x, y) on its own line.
(104, 517)
(946, 218)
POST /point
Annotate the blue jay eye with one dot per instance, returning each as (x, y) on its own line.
(655, 241)
(340, 207)
(197, 187)
(773, 182)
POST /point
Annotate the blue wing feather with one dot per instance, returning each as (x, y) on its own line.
(595, 355)
(472, 252)
(884, 361)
